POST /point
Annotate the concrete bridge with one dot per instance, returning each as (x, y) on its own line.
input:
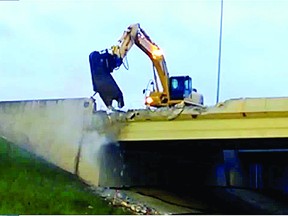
(233, 119)
(179, 146)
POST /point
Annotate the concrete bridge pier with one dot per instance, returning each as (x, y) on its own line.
(235, 174)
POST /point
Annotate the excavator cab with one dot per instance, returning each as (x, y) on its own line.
(180, 87)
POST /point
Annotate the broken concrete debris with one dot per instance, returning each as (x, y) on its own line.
(118, 198)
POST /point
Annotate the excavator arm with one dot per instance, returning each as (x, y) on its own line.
(174, 89)
(102, 64)
(136, 35)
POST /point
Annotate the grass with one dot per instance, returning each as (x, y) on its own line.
(29, 185)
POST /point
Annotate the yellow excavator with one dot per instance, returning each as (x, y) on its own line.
(173, 89)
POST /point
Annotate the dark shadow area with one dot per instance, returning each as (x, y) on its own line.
(195, 169)
(235, 144)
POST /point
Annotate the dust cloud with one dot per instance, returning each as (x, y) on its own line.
(88, 155)
(99, 150)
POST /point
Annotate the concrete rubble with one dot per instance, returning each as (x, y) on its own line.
(119, 198)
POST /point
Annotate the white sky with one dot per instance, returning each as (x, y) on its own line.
(45, 44)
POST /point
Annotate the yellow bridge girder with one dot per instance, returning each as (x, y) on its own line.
(206, 129)
(238, 118)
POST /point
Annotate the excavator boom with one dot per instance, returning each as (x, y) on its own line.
(102, 64)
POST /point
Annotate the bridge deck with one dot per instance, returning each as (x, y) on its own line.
(237, 118)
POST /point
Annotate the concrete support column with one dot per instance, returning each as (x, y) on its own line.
(216, 171)
(235, 175)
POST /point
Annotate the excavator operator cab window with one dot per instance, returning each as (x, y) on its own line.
(174, 83)
(180, 87)
(187, 86)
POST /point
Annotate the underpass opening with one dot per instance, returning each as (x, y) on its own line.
(203, 171)
(192, 163)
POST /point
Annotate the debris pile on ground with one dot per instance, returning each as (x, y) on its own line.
(118, 198)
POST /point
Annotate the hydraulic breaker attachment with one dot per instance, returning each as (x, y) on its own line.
(102, 65)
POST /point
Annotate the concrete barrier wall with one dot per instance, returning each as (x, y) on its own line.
(54, 130)
(67, 133)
